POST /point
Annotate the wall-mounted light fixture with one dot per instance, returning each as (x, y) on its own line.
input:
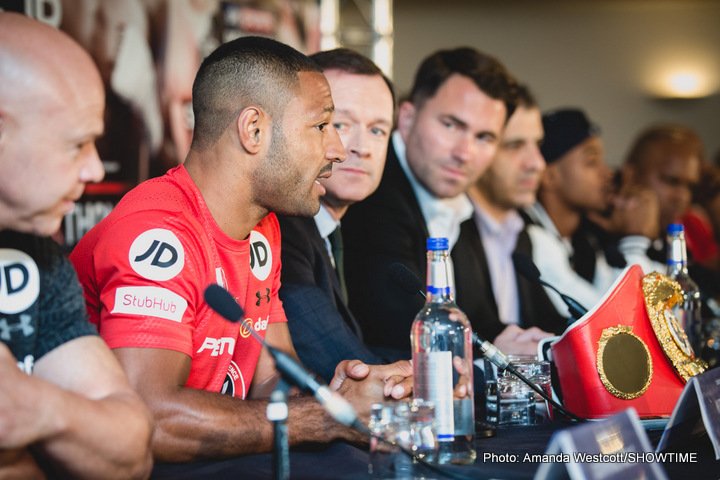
(682, 81)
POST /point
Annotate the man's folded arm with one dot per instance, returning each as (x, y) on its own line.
(195, 424)
(78, 413)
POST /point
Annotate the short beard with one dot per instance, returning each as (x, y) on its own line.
(275, 185)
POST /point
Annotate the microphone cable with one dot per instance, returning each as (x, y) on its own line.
(526, 267)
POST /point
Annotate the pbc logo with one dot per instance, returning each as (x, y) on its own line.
(157, 254)
(260, 255)
(261, 297)
(19, 281)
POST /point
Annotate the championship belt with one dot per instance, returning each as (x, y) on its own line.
(628, 351)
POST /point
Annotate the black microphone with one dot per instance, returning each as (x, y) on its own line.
(340, 409)
(406, 279)
(527, 268)
(223, 303)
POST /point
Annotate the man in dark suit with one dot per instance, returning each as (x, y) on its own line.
(448, 132)
(510, 183)
(323, 330)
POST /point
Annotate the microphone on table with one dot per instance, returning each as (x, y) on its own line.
(408, 281)
(340, 409)
(527, 268)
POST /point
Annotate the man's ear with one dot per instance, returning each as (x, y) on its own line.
(406, 119)
(253, 127)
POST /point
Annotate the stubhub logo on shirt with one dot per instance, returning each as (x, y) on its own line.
(150, 302)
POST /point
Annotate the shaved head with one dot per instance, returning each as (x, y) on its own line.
(245, 71)
(51, 111)
(37, 60)
(668, 160)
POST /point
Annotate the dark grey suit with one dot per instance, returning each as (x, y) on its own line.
(322, 328)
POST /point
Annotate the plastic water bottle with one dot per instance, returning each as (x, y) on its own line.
(441, 341)
(689, 314)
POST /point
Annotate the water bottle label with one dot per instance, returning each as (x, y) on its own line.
(676, 252)
(439, 389)
(438, 280)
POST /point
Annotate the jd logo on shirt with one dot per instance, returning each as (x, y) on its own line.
(260, 255)
(157, 254)
(19, 281)
(159, 248)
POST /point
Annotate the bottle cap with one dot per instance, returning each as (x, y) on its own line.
(437, 243)
(674, 228)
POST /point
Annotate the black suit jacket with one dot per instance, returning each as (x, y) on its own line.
(389, 227)
(474, 288)
(322, 328)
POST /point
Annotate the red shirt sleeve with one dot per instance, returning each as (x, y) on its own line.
(146, 267)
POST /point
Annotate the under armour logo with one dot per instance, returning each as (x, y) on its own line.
(24, 327)
(261, 296)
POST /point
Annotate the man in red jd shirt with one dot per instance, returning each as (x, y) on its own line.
(263, 137)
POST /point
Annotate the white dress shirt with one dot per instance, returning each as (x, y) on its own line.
(499, 240)
(326, 224)
(443, 216)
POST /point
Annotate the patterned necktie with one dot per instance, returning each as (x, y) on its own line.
(336, 245)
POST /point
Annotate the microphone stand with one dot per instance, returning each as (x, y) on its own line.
(277, 414)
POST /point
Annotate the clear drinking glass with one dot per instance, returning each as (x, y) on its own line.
(509, 401)
(410, 425)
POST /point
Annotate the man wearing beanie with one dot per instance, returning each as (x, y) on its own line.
(582, 234)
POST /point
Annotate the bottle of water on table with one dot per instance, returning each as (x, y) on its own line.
(441, 340)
